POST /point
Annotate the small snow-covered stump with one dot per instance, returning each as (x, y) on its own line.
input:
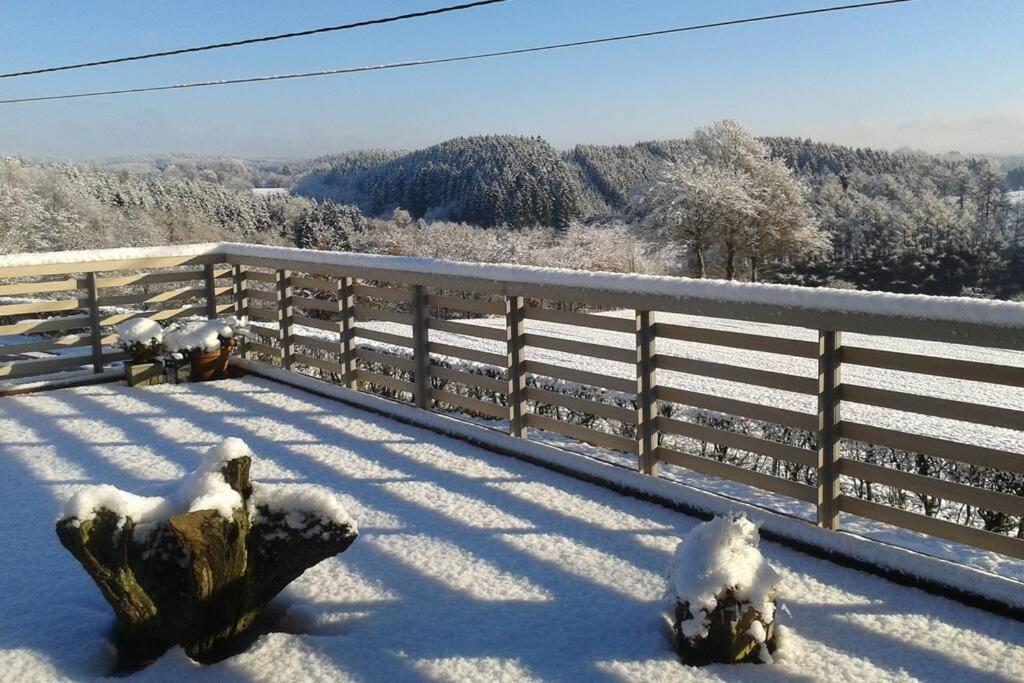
(196, 567)
(722, 594)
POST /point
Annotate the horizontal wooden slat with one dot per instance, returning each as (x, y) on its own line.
(321, 363)
(612, 353)
(156, 278)
(591, 436)
(319, 284)
(265, 332)
(742, 475)
(932, 526)
(259, 276)
(992, 373)
(41, 366)
(470, 404)
(318, 343)
(316, 323)
(594, 379)
(49, 325)
(452, 327)
(754, 411)
(743, 442)
(371, 356)
(383, 337)
(738, 340)
(262, 313)
(42, 306)
(164, 313)
(385, 293)
(737, 373)
(256, 347)
(41, 287)
(473, 355)
(931, 486)
(160, 297)
(315, 304)
(67, 341)
(582, 405)
(935, 407)
(470, 379)
(107, 265)
(384, 381)
(261, 294)
(929, 445)
(481, 306)
(598, 322)
(369, 313)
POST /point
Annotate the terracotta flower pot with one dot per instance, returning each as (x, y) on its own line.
(212, 365)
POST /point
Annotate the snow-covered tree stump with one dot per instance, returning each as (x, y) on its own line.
(722, 593)
(196, 567)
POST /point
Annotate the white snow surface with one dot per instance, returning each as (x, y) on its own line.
(719, 555)
(201, 336)
(570, 590)
(907, 306)
(139, 331)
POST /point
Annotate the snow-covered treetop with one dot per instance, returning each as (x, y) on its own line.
(882, 304)
(717, 556)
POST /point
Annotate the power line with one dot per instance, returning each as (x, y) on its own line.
(253, 41)
(462, 58)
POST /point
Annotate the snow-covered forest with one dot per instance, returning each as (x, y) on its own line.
(853, 218)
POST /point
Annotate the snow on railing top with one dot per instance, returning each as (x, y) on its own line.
(883, 304)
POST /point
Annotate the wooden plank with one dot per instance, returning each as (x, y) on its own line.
(470, 379)
(369, 314)
(467, 305)
(259, 313)
(315, 304)
(51, 306)
(421, 346)
(742, 475)
(472, 404)
(594, 379)
(729, 406)
(646, 384)
(42, 366)
(742, 442)
(582, 405)
(316, 343)
(1007, 375)
(285, 317)
(324, 284)
(371, 356)
(935, 407)
(264, 332)
(830, 345)
(240, 296)
(515, 364)
(382, 337)
(315, 323)
(738, 340)
(598, 322)
(931, 526)
(931, 486)
(264, 349)
(580, 348)
(345, 301)
(155, 278)
(452, 327)
(41, 287)
(384, 293)
(210, 291)
(262, 295)
(95, 333)
(106, 265)
(473, 355)
(68, 341)
(590, 436)
(260, 276)
(162, 313)
(929, 445)
(320, 363)
(171, 295)
(385, 381)
(737, 373)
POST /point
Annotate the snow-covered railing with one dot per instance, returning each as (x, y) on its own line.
(314, 310)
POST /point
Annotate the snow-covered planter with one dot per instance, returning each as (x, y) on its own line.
(722, 594)
(142, 340)
(207, 345)
(195, 567)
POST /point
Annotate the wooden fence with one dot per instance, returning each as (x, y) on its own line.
(284, 292)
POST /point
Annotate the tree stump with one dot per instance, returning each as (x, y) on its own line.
(735, 634)
(200, 578)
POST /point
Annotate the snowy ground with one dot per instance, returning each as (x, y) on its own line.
(470, 565)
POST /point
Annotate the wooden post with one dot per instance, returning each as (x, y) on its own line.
(210, 285)
(646, 405)
(284, 317)
(421, 347)
(515, 364)
(240, 294)
(346, 330)
(95, 333)
(829, 444)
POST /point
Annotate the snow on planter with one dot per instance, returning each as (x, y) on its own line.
(203, 337)
(140, 338)
(722, 593)
(195, 567)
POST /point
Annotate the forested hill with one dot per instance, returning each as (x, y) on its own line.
(519, 181)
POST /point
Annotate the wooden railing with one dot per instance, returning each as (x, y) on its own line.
(317, 311)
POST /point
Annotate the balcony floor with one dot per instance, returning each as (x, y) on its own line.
(469, 566)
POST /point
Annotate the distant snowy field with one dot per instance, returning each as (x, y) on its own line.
(470, 565)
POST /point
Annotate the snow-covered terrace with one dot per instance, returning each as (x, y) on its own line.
(470, 565)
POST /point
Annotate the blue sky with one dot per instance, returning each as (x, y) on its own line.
(930, 74)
